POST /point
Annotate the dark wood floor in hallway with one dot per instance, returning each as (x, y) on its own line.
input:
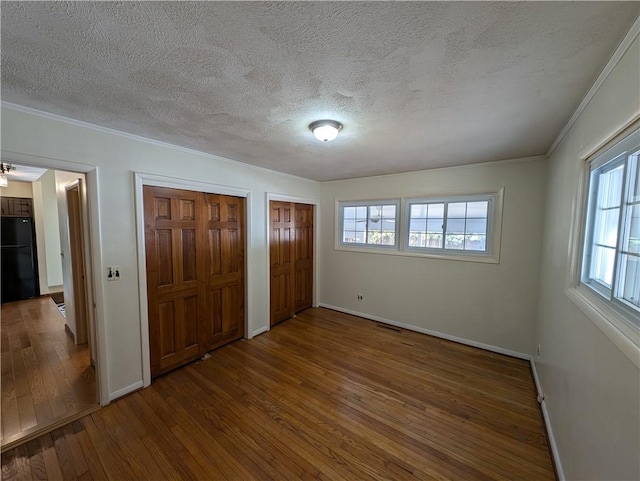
(46, 377)
(321, 396)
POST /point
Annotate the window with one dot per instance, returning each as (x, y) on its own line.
(456, 227)
(369, 223)
(451, 224)
(611, 252)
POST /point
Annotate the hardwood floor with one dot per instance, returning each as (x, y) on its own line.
(45, 376)
(321, 396)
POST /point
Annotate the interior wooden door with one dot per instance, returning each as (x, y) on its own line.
(76, 248)
(303, 283)
(281, 254)
(223, 218)
(175, 276)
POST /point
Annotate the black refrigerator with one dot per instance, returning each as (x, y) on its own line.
(18, 258)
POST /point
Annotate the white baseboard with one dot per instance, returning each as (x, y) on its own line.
(125, 390)
(422, 330)
(259, 331)
(547, 422)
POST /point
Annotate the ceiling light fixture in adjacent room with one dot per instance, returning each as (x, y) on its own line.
(4, 169)
(325, 130)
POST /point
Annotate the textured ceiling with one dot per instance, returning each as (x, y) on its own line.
(417, 85)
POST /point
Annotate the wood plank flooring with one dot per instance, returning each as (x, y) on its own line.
(321, 396)
(45, 376)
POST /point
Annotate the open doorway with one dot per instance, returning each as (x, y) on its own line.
(49, 357)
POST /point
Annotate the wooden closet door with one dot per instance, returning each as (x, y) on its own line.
(223, 218)
(174, 277)
(281, 254)
(303, 283)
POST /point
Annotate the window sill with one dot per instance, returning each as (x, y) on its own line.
(625, 336)
(483, 259)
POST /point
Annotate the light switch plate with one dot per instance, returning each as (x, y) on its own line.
(113, 273)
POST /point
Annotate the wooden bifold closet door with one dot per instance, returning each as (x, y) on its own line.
(291, 259)
(195, 273)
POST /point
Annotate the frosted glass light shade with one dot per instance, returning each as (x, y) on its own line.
(325, 130)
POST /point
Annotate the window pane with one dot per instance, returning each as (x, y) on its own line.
(610, 188)
(388, 238)
(389, 211)
(353, 237)
(388, 224)
(457, 210)
(630, 279)
(602, 263)
(636, 178)
(454, 242)
(436, 211)
(477, 209)
(418, 210)
(455, 226)
(374, 227)
(632, 243)
(381, 238)
(434, 240)
(417, 225)
(606, 227)
(476, 226)
(435, 225)
(349, 212)
(375, 212)
(475, 242)
(361, 212)
(416, 239)
(349, 224)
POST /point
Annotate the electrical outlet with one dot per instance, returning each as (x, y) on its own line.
(113, 273)
(360, 297)
(539, 350)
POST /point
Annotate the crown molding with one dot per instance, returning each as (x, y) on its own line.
(139, 138)
(608, 68)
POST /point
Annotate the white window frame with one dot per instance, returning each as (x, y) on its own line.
(494, 228)
(443, 252)
(340, 206)
(613, 317)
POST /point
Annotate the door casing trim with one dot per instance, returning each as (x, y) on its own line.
(94, 243)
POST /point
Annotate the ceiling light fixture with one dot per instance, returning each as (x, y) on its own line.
(4, 169)
(325, 130)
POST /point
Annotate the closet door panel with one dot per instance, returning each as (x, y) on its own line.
(174, 292)
(281, 254)
(225, 266)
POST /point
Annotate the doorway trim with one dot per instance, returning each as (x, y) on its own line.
(316, 244)
(141, 179)
(95, 286)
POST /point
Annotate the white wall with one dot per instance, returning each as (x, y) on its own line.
(592, 390)
(493, 304)
(38, 208)
(47, 141)
(51, 228)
